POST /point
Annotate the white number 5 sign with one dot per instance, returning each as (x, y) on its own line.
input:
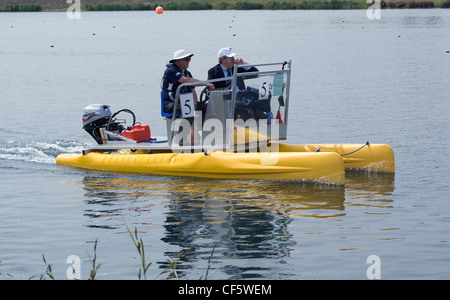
(265, 87)
(187, 105)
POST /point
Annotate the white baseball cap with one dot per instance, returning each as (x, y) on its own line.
(180, 54)
(226, 52)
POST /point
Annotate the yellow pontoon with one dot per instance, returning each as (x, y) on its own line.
(320, 167)
(370, 157)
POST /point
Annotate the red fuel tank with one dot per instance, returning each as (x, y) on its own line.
(139, 133)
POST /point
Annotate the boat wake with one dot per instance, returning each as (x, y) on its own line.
(38, 152)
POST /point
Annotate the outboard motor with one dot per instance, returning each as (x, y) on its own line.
(97, 117)
(102, 125)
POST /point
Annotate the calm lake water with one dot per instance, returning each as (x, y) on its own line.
(354, 80)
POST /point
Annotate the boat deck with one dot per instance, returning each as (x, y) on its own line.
(152, 147)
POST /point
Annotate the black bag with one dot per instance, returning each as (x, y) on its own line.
(244, 113)
(249, 106)
(246, 98)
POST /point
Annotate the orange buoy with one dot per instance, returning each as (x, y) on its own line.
(159, 10)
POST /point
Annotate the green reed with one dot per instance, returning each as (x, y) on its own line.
(171, 270)
(141, 250)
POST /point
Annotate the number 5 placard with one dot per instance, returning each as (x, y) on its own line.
(187, 105)
(265, 87)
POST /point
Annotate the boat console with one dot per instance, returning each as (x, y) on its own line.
(225, 118)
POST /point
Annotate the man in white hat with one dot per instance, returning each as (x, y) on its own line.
(224, 68)
(175, 74)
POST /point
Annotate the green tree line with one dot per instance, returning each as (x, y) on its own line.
(239, 5)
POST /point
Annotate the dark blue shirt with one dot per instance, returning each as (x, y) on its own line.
(170, 82)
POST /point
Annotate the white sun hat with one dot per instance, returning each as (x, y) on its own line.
(225, 52)
(180, 54)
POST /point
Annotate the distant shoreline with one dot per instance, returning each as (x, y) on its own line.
(131, 5)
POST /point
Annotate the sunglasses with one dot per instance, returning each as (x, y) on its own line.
(187, 58)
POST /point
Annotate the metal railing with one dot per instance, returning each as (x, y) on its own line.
(283, 70)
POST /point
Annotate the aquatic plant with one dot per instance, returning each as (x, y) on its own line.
(95, 267)
(207, 275)
(173, 266)
(140, 248)
(48, 272)
(171, 269)
(6, 275)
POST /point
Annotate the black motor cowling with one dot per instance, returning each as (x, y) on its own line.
(96, 117)
(102, 125)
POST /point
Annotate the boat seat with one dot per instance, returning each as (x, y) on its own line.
(164, 114)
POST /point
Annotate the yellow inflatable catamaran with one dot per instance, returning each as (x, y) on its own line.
(236, 135)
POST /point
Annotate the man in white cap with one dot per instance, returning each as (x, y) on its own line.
(224, 68)
(246, 106)
(175, 74)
